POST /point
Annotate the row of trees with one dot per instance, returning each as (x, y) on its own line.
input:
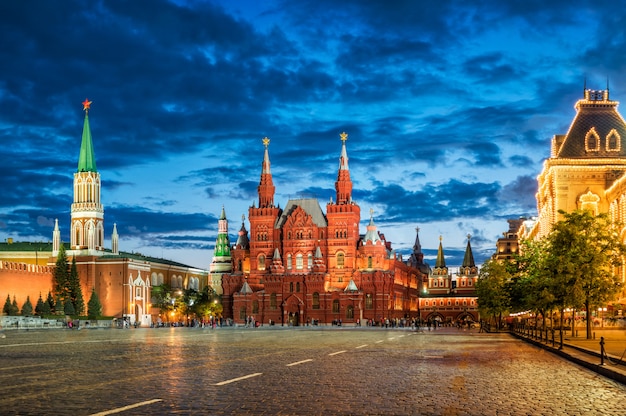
(66, 297)
(188, 302)
(50, 306)
(576, 267)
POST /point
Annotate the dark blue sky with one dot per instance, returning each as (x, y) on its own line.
(449, 107)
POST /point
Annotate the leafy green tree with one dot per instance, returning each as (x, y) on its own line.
(207, 303)
(493, 299)
(7, 306)
(162, 298)
(27, 307)
(75, 291)
(68, 308)
(588, 251)
(61, 277)
(187, 302)
(94, 307)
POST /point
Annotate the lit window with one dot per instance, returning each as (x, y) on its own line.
(340, 260)
(299, 264)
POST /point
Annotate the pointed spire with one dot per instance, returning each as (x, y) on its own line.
(56, 238)
(343, 158)
(266, 187)
(343, 185)
(372, 231)
(242, 240)
(441, 260)
(417, 247)
(115, 238)
(222, 243)
(468, 260)
(86, 158)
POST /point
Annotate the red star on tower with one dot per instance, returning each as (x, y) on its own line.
(86, 104)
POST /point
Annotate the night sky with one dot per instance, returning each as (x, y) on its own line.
(449, 107)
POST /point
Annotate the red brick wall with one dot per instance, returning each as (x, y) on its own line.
(24, 280)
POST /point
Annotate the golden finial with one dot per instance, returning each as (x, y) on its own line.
(371, 212)
(344, 136)
(469, 236)
(86, 105)
(266, 141)
(440, 238)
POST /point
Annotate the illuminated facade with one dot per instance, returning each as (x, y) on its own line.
(586, 168)
(449, 298)
(301, 265)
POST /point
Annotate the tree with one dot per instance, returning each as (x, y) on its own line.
(61, 277)
(27, 307)
(7, 306)
(588, 250)
(207, 304)
(493, 299)
(68, 308)
(58, 306)
(15, 310)
(50, 303)
(39, 307)
(94, 307)
(162, 295)
(75, 291)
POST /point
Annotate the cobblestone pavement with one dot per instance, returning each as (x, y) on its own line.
(295, 371)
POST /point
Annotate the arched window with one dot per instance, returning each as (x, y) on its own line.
(291, 287)
(299, 265)
(316, 300)
(255, 306)
(613, 142)
(309, 261)
(350, 312)
(298, 287)
(369, 262)
(340, 260)
(592, 140)
(369, 301)
(261, 262)
(336, 306)
(289, 261)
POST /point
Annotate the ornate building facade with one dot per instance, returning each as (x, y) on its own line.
(586, 168)
(446, 297)
(301, 265)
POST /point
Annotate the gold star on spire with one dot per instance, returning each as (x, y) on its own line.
(266, 141)
(86, 104)
(344, 136)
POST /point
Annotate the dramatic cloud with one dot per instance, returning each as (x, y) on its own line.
(449, 107)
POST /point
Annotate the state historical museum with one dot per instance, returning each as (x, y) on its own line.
(302, 266)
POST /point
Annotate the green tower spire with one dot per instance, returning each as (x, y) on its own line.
(87, 158)
(222, 245)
